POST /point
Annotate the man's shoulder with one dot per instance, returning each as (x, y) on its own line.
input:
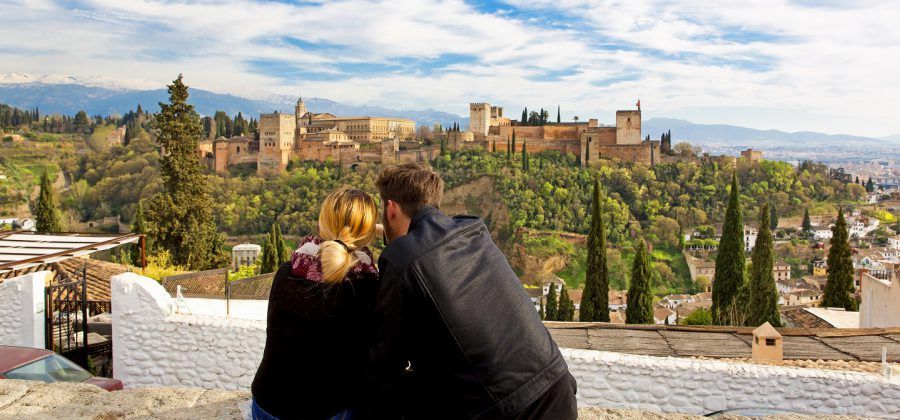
(428, 234)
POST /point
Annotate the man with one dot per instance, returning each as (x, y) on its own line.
(452, 311)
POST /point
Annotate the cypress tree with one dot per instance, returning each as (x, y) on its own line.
(524, 116)
(525, 163)
(268, 260)
(558, 115)
(763, 306)
(773, 219)
(551, 311)
(180, 218)
(514, 141)
(730, 263)
(595, 300)
(541, 309)
(870, 186)
(566, 306)
(281, 250)
(137, 226)
(807, 223)
(46, 216)
(839, 289)
(508, 151)
(640, 294)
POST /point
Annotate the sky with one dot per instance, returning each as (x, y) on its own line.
(828, 66)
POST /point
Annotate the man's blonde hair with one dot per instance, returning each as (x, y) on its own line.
(412, 186)
(347, 216)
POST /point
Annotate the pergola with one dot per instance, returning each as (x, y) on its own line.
(22, 250)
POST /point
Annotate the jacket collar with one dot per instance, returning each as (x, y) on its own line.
(423, 214)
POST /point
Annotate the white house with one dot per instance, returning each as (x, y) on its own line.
(823, 234)
(750, 234)
(894, 243)
(672, 301)
(244, 254)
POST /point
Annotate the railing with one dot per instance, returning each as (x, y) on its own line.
(203, 284)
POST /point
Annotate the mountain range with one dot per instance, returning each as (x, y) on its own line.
(104, 96)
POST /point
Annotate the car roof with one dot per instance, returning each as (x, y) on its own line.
(12, 357)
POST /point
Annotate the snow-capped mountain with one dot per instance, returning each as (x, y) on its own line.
(119, 84)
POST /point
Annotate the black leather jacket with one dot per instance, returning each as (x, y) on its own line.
(450, 305)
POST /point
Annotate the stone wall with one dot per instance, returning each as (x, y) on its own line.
(22, 310)
(156, 346)
(703, 386)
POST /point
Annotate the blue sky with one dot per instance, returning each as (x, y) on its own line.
(793, 65)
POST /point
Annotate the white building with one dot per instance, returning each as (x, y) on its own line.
(823, 234)
(244, 254)
(750, 234)
(894, 243)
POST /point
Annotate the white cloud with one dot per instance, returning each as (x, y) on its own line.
(768, 64)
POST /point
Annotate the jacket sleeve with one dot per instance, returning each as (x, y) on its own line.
(389, 350)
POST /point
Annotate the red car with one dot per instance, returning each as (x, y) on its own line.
(44, 365)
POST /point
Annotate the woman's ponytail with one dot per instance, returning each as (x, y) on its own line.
(347, 224)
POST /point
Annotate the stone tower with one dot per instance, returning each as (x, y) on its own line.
(300, 117)
(276, 141)
(628, 127)
(479, 117)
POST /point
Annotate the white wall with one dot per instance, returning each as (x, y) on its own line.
(880, 306)
(22, 310)
(699, 387)
(155, 346)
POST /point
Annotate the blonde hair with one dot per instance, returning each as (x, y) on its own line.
(348, 216)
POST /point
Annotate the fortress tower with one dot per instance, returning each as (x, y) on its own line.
(276, 141)
(628, 127)
(480, 117)
(300, 117)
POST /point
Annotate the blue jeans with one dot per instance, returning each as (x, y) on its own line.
(258, 413)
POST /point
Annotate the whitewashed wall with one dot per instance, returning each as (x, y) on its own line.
(154, 346)
(22, 310)
(700, 387)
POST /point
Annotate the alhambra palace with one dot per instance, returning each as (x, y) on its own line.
(319, 137)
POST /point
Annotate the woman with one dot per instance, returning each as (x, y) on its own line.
(314, 363)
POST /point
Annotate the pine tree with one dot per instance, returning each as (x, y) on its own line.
(180, 218)
(282, 251)
(46, 216)
(640, 293)
(595, 300)
(807, 223)
(137, 226)
(552, 308)
(773, 219)
(558, 115)
(730, 263)
(839, 289)
(763, 305)
(566, 306)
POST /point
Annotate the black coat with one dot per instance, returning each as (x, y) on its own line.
(450, 304)
(314, 364)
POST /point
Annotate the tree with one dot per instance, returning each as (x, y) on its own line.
(640, 293)
(525, 162)
(268, 260)
(513, 150)
(137, 226)
(595, 299)
(541, 309)
(566, 311)
(730, 263)
(81, 122)
(282, 251)
(180, 218)
(839, 289)
(763, 306)
(46, 216)
(558, 115)
(700, 316)
(552, 308)
(524, 116)
(870, 186)
(773, 219)
(508, 151)
(807, 223)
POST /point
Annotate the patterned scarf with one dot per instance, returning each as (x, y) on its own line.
(305, 261)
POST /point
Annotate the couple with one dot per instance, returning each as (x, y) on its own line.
(441, 328)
